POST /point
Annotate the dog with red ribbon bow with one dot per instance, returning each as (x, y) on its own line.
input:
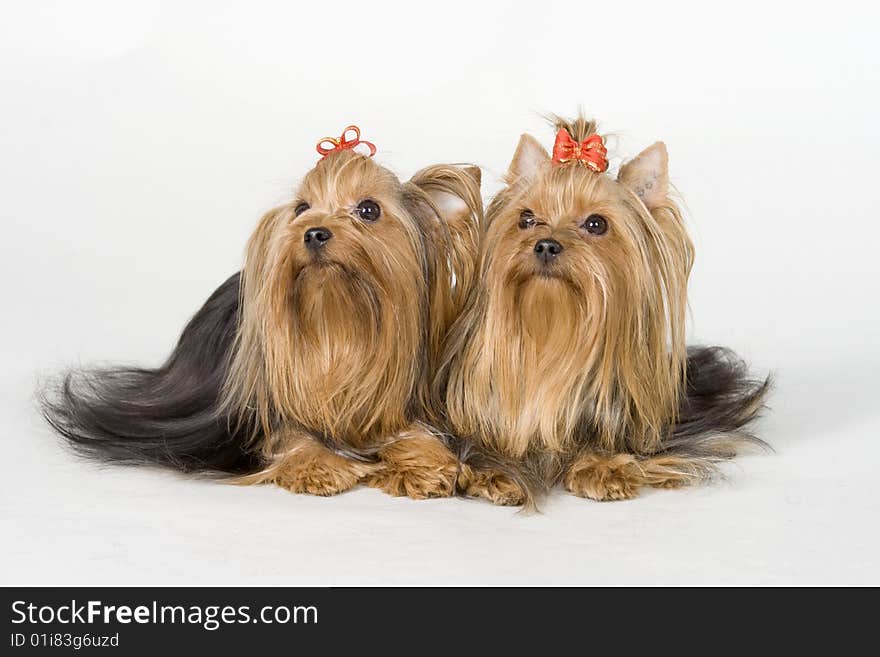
(569, 360)
(311, 367)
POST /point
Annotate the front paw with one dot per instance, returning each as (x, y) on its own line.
(494, 486)
(604, 478)
(320, 472)
(416, 465)
(419, 483)
(316, 480)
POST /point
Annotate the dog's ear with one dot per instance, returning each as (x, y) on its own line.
(648, 175)
(454, 190)
(445, 201)
(528, 157)
(475, 174)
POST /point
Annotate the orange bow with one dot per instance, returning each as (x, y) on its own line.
(342, 143)
(591, 151)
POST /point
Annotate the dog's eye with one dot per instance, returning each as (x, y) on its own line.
(595, 224)
(299, 209)
(526, 219)
(368, 210)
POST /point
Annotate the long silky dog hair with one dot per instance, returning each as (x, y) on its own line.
(309, 368)
(569, 359)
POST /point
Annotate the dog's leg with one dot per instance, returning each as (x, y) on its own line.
(416, 464)
(306, 466)
(600, 477)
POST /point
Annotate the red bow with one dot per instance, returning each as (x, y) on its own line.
(591, 151)
(342, 143)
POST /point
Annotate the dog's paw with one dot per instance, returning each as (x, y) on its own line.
(419, 483)
(306, 466)
(671, 483)
(317, 479)
(416, 465)
(604, 478)
(496, 487)
(326, 474)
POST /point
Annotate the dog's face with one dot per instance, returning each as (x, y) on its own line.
(338, 299)
(348, 235)
(582, 238)
(582, 308)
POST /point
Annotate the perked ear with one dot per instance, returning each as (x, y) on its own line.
(648, 175)
(529, 156)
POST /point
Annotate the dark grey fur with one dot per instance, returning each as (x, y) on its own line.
(165, 416)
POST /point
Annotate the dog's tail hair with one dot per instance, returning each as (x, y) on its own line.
(167, 416)
(719, 403)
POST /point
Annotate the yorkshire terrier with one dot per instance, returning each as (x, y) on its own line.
(309, 368)
(569, 360)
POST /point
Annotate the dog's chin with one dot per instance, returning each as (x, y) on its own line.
(539, 275)
(550, 273)
(321, 267)
(321, 276)
(552, 280)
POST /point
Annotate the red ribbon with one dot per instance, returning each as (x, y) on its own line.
(343, 143)
(590, 152)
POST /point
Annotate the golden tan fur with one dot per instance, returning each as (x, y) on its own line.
(307, 466)
(416, 465)
(336, 344)
(619, 476)
(588, 351)
(497, 487)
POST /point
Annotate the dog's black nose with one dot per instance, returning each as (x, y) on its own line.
(547, 250)
(315, 238)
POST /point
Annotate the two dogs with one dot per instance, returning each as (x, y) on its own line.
(387, 333)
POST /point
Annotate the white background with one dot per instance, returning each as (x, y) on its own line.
(139, 143)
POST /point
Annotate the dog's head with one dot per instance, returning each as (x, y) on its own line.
(338, 292)
(346, 233)
(584, 279)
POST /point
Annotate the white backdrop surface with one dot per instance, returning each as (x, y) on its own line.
(140, 142)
